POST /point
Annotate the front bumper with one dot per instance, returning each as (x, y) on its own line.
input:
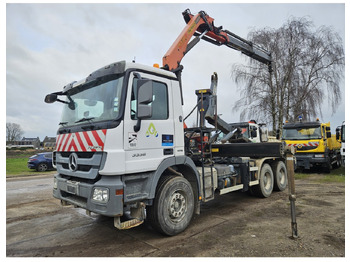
(307, 161)
(31, 165)
(79, 194)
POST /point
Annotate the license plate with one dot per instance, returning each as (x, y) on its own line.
(72, 187)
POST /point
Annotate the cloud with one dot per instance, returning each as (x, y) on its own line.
(50, 45)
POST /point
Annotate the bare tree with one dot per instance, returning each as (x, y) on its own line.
(13, 132)
(308, 66)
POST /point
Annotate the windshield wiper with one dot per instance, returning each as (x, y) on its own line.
(63, 123)
(84, 119)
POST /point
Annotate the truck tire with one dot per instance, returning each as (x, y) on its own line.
(265, 187)
(337, 162)
(327, 166)
(280, 176)
(173, 206)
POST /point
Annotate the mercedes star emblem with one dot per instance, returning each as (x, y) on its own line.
(73, 162)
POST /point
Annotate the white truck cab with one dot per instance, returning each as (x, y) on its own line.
(122, 119)
(250, 132)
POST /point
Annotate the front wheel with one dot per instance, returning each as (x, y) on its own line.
(173, 206)
(327, 166)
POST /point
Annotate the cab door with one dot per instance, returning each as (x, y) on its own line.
(149, 143)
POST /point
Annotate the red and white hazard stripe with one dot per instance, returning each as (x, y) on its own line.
(304, 145)
(87, 141)
(313, 143)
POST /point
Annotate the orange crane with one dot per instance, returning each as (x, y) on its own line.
(202, 26)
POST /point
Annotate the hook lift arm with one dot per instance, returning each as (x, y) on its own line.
(202, 26)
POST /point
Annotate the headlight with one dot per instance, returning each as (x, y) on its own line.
(319, 155)
(55, 183)
(100, 194)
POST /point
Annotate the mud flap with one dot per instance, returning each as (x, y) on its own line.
(244, 172)
(245, 177)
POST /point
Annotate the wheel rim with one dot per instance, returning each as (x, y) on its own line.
(267, 181)
(177, 206)
(282, 176)
(42, 167)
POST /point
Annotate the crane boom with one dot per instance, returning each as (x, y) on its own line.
(202, 26)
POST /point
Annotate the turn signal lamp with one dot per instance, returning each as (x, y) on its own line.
(119, 192)
(156, 65)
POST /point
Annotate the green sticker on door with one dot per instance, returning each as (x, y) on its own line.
(151, 131)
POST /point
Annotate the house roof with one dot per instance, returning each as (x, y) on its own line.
(30, 139)
(49, 139)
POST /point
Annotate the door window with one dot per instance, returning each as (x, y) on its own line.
(159, 102)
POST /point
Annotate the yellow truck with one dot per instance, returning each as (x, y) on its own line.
(315, 145)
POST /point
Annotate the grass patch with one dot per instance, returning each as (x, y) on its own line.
(300, 176)
(17, 166)
(336, 176)
(332, 178)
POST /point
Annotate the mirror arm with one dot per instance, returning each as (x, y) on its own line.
(70, 103)
(64, 102)
(137, 127)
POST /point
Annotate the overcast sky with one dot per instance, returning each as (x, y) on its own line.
(50, 45)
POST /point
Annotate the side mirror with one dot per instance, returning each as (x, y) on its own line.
(144, 98)
(50, 98)
(278, 134)
(337, 136)
(337, 133)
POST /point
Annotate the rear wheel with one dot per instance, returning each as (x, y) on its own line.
(173, 206)
(265, 187)
(280, 176)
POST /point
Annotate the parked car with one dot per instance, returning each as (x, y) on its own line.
(41, 161)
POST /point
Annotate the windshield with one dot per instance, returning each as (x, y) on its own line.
(302, 133)
(244, 132)
(93, 102)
